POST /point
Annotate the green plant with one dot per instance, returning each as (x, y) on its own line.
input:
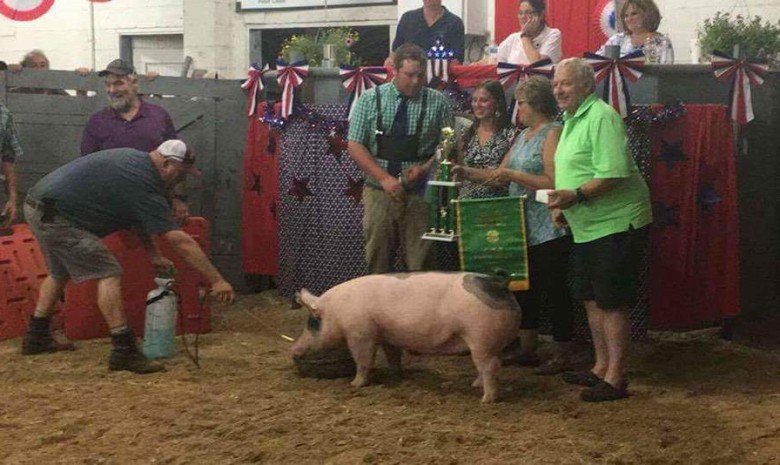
(757, 38)
(310, 47)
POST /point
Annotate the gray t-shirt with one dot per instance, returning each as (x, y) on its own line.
(109, 191)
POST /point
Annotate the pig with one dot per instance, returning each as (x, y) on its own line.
(422, 312)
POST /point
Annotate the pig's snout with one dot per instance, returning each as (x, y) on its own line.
(297, 350)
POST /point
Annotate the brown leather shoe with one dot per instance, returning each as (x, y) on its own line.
(37, 343)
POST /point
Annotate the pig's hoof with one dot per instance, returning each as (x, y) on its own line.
(488, 398)
(477, 382)
(359, 382)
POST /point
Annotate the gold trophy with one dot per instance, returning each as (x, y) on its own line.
(441, 190)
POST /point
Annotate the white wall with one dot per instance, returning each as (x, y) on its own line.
(63, 33)
(681, 18)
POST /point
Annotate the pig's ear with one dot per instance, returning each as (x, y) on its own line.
(308, 300)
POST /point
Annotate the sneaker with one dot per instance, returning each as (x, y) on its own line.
(134, 362)
(553, 366)
(581, 378)
(605, 392)
(38, 343)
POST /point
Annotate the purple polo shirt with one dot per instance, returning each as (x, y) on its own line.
(106, 129)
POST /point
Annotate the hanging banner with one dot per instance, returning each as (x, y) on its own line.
(24, 10)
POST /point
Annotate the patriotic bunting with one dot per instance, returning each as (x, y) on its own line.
(439, 59)
(614, 73)
(358, 80)
(289, 77)
(509, 74)
(743, 76)
(254, 84)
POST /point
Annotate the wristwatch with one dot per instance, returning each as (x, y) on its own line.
(581, 197)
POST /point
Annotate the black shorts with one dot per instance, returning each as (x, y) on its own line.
(607, 269)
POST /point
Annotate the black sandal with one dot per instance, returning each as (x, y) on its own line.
(604, 392)
(581, 378)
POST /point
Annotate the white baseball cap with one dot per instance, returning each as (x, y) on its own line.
(175, 149)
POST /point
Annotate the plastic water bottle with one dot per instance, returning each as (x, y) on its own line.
(492, 53)
(160, 328)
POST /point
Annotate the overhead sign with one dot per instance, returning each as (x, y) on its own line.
(288, 4)
(24, 10)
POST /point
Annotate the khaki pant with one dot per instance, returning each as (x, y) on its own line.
(386, 221)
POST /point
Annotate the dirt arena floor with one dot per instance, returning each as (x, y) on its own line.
(696, 399)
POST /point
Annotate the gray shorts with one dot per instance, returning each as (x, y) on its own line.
(70, 251)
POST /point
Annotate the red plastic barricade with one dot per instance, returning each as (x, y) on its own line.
(83, 319)
(22, 269)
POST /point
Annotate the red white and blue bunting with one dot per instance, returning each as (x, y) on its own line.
(742, 75)
(289, 77)
(254, 84)
(439, 58)
(358, 80)
(614, 73)
(509, 74)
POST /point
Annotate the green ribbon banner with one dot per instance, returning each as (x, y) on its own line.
(492, 238)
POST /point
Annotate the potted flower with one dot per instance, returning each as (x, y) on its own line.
(757, 39)
(299, 47)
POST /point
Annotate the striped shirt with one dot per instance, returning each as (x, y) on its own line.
(362, 125)
(10, 148)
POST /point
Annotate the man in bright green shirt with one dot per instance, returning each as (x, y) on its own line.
(393, 134)
(606, 203)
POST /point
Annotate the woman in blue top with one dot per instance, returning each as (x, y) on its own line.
(528, 167)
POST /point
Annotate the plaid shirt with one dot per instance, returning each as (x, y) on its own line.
(362, 126)
(10, 148)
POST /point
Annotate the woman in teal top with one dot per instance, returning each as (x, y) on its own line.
(528, 167)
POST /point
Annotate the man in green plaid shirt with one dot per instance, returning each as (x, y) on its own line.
(395, 151)
(10, 149)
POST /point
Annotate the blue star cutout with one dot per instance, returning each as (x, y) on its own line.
(666, 215)
(707, 196)
(671, 153)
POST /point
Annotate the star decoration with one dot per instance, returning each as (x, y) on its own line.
(300, 189)
(336, 145)
(672, 152)
(355, 189)
(255, 183)
(666, 215)
(707, 196)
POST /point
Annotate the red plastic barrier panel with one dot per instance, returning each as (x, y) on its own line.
(83, 319)
(22, 269)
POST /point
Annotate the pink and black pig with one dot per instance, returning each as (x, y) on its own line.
(422, 312)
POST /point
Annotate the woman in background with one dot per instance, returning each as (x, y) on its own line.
(534, 41)
(640, 19)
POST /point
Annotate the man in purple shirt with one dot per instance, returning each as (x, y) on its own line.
(130, 122)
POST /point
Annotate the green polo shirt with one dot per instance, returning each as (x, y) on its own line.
(594, 145)
(362, 125)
